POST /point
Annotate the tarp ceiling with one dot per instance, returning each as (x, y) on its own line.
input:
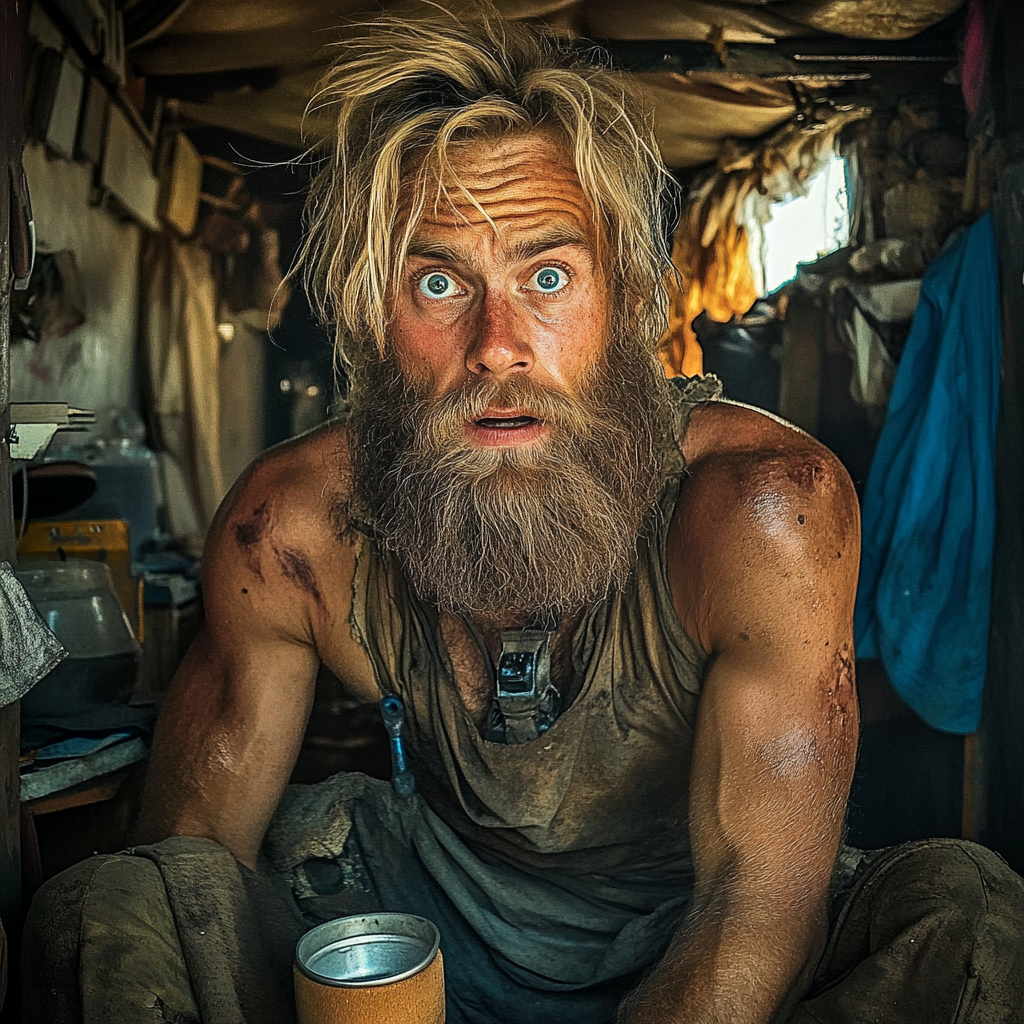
(262, 58)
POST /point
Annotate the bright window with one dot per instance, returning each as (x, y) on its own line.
(801, 228)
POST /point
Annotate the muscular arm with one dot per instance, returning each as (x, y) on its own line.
(231, 728)
(769, 592)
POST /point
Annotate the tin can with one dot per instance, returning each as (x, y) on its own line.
(370, 969)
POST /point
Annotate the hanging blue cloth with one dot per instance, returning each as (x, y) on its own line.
(929, 505)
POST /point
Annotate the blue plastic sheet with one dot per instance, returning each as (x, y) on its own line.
(929, 505)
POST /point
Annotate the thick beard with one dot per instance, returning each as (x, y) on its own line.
(530, 532)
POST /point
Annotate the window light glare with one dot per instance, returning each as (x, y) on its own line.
(802, 228)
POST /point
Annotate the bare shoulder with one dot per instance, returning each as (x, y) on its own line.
(766, 514)
(278, 544)
(732, 449)
(294, 492)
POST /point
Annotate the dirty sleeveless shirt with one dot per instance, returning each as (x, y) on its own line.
(588, 824)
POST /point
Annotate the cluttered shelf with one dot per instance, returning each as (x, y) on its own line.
(62, 767)
(120, 610)
(85, 794)
(86, 725)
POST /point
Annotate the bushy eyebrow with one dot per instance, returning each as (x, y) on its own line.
(528, 248)
(429, 249)
(525, 249)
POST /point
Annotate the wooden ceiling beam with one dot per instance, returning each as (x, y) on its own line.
(828, 57)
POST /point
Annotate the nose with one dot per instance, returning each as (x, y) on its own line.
(499, 345)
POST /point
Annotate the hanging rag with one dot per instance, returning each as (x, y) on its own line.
(28, 648)
(929, 505)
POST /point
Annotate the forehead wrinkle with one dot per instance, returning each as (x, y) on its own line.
(479, 182)
(504, 200)
(480, 172)
(510, 158)
(489, 186)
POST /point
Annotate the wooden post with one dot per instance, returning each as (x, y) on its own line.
(10, 821)
(800, 387)
(972, 821)
(1003, 724)
(10, 860)
(1003, 720)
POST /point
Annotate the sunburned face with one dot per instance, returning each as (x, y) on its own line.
(510, 443)
(510, 288)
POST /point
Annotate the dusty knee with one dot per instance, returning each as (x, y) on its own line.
(931, 931)
(965, 905)
(59, 919)
(948, 877)
(85, 928)
(56, 911)
(115, 880)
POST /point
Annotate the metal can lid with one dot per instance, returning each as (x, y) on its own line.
(367, 949)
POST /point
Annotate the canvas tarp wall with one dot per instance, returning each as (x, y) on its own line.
(275, 53)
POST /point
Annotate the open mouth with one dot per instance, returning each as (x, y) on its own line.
(508, 430)
(506, 423)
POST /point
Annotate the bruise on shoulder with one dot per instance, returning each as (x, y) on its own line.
(296, 567)
(805, 485)
(797, 475)
(809, 473)
(254, 532)
(249, 529)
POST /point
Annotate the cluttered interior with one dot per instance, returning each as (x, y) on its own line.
(200, 286)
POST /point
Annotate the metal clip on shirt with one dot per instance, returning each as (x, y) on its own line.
(392, 710)
(526, 702)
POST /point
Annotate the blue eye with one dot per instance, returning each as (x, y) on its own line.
(438, 286)
(549, 280)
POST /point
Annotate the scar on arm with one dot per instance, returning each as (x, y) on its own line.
(297, 569)
(841, 690)
(248, 534)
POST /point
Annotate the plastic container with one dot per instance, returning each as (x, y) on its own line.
(76, 598)
(90, 689)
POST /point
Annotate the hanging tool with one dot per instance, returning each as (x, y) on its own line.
(392, 710)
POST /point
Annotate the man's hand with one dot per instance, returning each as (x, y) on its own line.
(764, 572)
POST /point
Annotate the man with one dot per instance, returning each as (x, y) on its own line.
(618, 617)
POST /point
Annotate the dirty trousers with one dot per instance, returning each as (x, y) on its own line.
(928, 932)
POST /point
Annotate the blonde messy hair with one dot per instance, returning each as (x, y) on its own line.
(402, 94)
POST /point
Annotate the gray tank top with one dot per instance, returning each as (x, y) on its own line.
(604, 793)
